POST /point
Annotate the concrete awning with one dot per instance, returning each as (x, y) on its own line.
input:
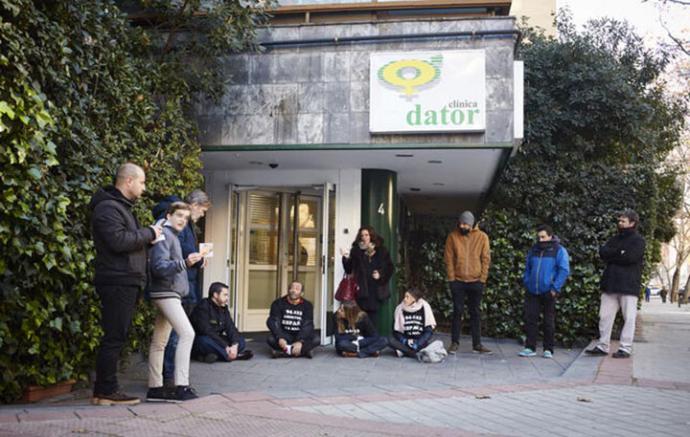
(437, 181)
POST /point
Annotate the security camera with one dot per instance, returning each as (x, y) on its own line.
(273, 165)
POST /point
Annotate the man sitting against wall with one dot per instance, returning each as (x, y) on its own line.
(291, 322)
(217, 338)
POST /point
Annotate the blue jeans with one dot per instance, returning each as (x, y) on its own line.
(169, 356)
(367, 345)
(204, 345)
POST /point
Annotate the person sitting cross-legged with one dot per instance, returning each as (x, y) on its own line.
(291, 322)
(414, 324)
(217, 337)
(356, 336)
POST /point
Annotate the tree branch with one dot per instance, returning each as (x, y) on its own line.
(173, 31)
(677, 41)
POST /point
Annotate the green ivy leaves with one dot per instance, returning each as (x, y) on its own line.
(81, 91)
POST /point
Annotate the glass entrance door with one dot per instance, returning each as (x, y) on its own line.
(282, 243)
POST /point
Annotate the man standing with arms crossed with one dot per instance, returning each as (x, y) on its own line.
(620, 284)
(121, 246)
(467, 258)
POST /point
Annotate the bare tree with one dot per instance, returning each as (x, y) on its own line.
(668, 10)
(676, 254)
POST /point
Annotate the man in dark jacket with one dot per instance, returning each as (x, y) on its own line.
(121, 246)
(199, 203)
(546, 269)
(217, 338)
(620, 284)
(291, 322)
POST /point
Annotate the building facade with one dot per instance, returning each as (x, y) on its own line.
(351, 111)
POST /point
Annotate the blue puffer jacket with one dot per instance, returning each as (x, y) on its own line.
(546, 268)
(188, 243)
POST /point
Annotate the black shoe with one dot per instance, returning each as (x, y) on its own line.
(160, 394)
(185, 393)
(278, 354)
(210, 358)
(620, 353)
(169, 383)
(245, 355)
(308, 354)
(117, 398)
(596, 351)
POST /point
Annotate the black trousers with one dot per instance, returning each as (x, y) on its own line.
(533, 306)
(307, 344)
(117, 309)
(473, 291)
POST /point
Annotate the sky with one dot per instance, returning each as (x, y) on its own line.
(645, 16)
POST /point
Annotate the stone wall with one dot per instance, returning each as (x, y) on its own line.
(319, 94)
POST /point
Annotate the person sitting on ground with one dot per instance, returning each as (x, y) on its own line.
(414, 324)
(291, 322)
(356, 335)
(217, 338)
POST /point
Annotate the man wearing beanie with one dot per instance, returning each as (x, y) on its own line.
(467, 258)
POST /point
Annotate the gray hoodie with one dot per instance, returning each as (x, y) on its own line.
(168, 268)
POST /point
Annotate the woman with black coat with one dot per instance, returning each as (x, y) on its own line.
(355, 335)
(370, 263)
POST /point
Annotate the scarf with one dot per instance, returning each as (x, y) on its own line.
(429, 319)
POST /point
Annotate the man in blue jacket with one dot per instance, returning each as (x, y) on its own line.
(199, 203)
(546, 271)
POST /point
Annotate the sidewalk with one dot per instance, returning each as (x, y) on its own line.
(663, 350)
(468, 394)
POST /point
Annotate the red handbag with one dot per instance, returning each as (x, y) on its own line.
(347, 289)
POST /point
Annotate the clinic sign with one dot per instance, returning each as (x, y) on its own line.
(435, 91)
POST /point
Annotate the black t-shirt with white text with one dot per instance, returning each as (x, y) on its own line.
(291, 320)
(413, 325)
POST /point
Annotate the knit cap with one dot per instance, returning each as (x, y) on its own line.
(466, 218)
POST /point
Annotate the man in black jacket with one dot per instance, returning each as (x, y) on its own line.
(620, 284)
(217, 338)
(291, 323)
(121, 246)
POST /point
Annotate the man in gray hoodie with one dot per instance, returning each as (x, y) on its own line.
(167, 288)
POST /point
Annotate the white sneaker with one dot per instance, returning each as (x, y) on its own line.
(399, 353)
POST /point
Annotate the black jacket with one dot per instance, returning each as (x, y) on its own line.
(215, 322)
(371, 291)
(363, 328)
(120, 242)
(624, 256)
(288, 321)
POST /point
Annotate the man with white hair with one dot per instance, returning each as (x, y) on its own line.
(121, 245)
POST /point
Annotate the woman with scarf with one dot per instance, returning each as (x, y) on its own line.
(369, 262)
(414, 324)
